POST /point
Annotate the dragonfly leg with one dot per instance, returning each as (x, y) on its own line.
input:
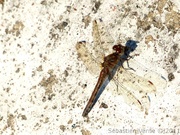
(129, 68)
(130, 57)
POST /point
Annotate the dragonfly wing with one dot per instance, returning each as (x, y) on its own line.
(84, 55)
(139, 86)
(136, 82)
(157, 79)
(103, 41)
(134, 89)
(129, 97)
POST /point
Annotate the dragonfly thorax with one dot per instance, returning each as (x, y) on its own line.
(119, 48)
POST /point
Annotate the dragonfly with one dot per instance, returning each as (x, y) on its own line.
(133, 88)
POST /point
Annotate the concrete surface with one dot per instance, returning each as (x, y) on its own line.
(44, 87)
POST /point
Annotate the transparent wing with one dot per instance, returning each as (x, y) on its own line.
(136, 82)
(89, 61)
(129, 97)
(157, 79)
(103, 41)
(134, 89)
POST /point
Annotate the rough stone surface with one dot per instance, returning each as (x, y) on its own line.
(44, 87)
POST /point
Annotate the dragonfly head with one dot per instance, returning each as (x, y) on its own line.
(130, 47)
